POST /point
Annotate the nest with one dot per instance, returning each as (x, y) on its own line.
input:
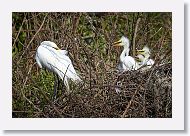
(105, 92)
(132, 94)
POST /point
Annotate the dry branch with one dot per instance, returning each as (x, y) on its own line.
(135, 34)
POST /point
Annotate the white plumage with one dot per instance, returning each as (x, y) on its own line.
(49, 56)
(127, 63)
(144, 58)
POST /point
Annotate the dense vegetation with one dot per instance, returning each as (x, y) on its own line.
(88, 37)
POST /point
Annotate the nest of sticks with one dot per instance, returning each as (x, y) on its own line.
(105, 92)
(132, 94)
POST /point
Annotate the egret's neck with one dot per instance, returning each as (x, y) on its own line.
(146, 58)
(124, 53)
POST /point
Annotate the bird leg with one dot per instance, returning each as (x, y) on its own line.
(63, 89)
(56, 85)
(67, 85)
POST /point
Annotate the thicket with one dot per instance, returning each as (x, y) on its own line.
(88, 37)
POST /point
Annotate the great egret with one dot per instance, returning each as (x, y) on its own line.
(144, 57)
(49, 56)
(127, 63)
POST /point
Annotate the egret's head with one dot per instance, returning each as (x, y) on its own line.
(124, 41)
(139, 58)
(50, 44)
(145, 52)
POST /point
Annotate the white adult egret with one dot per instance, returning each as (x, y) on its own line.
(127, 63)
(49, 56)
(144, 57)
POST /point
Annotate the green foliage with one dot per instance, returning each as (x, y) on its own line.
(88, 37)
(17, 20)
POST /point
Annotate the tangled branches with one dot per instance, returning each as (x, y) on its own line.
(88, 38)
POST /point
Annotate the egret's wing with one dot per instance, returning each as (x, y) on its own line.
(58, 54)
(62, 66)
(38, 59)
(150, 62)
(46, 56)
(129, 62)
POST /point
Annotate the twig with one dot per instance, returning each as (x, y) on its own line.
(129, 104)
(54, 107)
(148, 80)
(157, 63)
(33, 38)
(156, 32)
(19, 31)
(24, 112)
(22, 91)
(135, 34)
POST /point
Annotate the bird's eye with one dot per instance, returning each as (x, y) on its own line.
(56, 48)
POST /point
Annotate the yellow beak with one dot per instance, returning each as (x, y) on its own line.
(140, 51)
(117, 44)
(56, 48)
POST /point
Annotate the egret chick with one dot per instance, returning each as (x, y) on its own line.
(49, 56)
(144, 57)
(127, 63)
